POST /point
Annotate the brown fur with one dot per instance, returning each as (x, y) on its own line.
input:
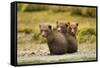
(72, 28)
(72, 42)
(56, 41)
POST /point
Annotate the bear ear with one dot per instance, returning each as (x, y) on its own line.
(68, 23)
(77, 24)
(50, 27)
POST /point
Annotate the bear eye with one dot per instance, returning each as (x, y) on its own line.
(75, 28)
(46, 30)
(70, 28)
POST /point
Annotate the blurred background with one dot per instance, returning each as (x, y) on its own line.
(31, 15)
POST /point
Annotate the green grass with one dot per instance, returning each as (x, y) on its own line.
(28, 23)
(74, 10)
(87, 35)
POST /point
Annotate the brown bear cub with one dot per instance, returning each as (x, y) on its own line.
(61, 27)
(72, 28)
(56, 40)
(72, 41)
